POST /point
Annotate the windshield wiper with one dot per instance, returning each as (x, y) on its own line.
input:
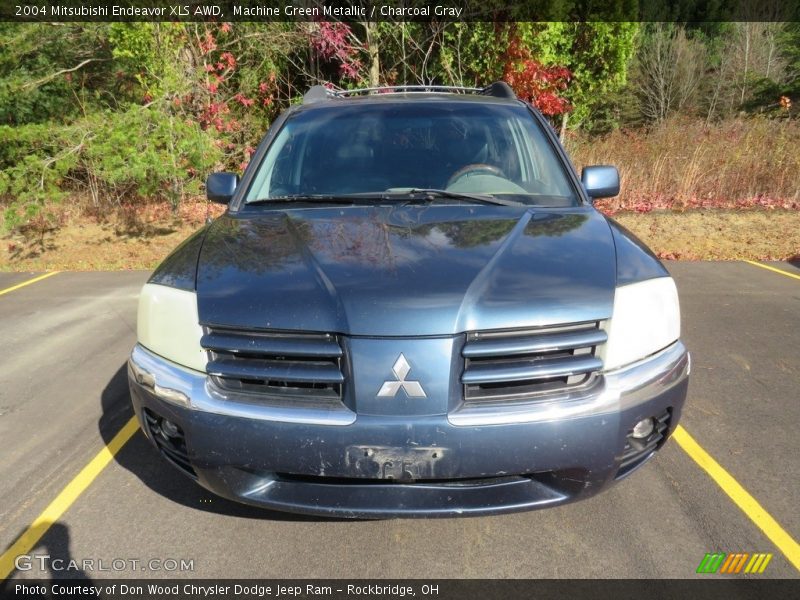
(431, 193)
(329, 198)
(394, 194)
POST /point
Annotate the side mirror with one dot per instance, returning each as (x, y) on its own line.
(600, 181)
(221, 186)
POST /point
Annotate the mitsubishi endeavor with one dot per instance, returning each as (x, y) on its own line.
(410, 308)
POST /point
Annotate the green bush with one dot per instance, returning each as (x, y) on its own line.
(147, 152)
(33, 165)
(107, 156)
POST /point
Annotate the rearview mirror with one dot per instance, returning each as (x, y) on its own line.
(221, 186)
(600, 181)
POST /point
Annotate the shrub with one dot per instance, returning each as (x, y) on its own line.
(33, 164)
(108, 157)
(145, 152)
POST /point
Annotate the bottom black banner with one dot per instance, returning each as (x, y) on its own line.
(443, 589)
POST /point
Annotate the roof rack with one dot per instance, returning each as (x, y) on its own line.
(319, 93)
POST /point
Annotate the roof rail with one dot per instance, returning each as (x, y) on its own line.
(319, 93)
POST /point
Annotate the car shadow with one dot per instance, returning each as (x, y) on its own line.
(140, 458)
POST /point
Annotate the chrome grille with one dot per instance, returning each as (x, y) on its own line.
(295, 366)
(503, 365)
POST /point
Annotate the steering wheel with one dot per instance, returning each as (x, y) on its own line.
(475, 168)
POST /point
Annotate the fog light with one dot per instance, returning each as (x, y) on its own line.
(643, 429)
(171, 430)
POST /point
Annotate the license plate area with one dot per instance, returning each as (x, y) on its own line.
(394, 463)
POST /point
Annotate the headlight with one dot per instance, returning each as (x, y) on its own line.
(168, 325)
(646, 319)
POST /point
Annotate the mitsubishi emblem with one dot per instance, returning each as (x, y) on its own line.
(400, 369)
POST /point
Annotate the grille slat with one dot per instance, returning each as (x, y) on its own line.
(482, 348)
(518, 365)
(263, 345)
(276, 370)
(293, 367)
(534, 369)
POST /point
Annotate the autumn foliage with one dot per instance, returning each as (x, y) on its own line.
(333, 42)
(543, 86)
(108, 114)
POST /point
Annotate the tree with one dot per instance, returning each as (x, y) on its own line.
(533, 82)
(750, 63)
(597, 54)
(53, 71)
(670, 67)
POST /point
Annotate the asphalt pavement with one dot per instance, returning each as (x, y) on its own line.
(64, 341)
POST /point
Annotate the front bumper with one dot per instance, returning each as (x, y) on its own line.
(484, 460)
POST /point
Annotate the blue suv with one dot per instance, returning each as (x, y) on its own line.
(409, 308)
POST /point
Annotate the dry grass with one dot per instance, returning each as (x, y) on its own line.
(683, 164)
(130, 238)
(718, 234)
(91, 247)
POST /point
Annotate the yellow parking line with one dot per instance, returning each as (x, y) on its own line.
(740, 496)
(758, 264)
(30, 281)
(31, 536)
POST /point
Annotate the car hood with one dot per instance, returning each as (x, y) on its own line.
(406, 270)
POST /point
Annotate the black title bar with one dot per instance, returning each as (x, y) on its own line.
(400, 10)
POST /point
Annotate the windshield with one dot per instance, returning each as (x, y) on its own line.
(400, 147)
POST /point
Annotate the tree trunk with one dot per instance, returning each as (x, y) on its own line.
(564, 119)
(746, 60)
(374, 55)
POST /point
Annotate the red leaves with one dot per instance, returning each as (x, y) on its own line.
(534, 82)
(215, 115)
(645, 203)
(331, 42)
(265, 89)
(350, 69)
(208, 43)
(228, 59)
(248, 152)
(220, 72)
(244, 101)
(677, 255)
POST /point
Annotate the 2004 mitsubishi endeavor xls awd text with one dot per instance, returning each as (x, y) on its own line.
(409, 308)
